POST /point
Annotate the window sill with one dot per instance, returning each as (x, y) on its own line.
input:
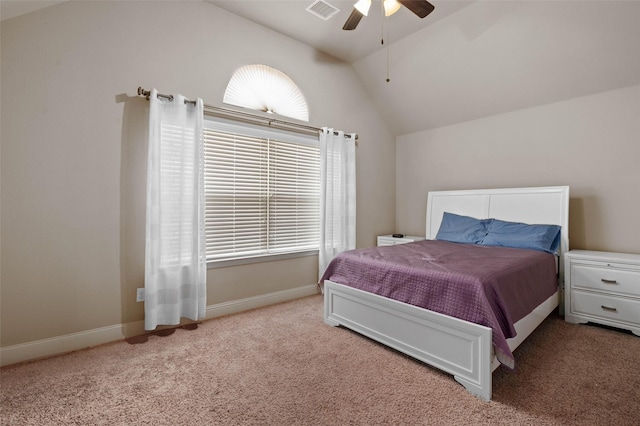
(212, 264)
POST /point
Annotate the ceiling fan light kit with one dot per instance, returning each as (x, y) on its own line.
(420, 8)
(391, 7)
(363, 6)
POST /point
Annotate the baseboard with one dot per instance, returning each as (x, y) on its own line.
(226, 308)
(59, 345)
(98, 336)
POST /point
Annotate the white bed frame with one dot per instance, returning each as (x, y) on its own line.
(458, 347)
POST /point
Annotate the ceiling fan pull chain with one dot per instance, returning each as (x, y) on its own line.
(388, 79)
(387, 48)
(382, 25)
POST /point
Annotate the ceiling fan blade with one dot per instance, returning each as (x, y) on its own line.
(420, 7)
(353, 20)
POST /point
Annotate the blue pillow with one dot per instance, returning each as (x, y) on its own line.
(462, 229)
(521, 235)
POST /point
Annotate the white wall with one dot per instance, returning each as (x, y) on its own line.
(74, 152)
(589, 143)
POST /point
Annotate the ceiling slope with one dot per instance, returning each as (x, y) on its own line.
(500, 56)
(468, 59)
(471, 59)
(289, 17)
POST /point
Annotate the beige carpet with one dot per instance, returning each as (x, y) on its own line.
(281, 365)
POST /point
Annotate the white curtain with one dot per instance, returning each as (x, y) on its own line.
(337, 195)
(175, 264)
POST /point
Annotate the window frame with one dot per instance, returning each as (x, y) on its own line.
(257, 131)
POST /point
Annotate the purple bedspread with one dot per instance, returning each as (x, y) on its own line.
(491, 286)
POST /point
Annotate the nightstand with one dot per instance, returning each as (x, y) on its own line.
(603, 288)
(390, 240)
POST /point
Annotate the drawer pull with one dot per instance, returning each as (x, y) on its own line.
(609, 309)
(608, 281)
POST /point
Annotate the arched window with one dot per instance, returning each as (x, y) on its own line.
(263, 88)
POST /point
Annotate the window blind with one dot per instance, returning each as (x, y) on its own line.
(262, 195)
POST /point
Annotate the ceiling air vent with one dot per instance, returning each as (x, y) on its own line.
(322, 9)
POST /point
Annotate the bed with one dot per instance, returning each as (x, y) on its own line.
(459, 347)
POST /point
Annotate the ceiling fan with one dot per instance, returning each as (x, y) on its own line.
(420, 7)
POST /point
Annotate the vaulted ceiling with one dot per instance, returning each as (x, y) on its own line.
(291, 18)
(470, 59)
(467, 59)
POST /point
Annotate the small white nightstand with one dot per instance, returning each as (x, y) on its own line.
(603, 288)
(390, 240)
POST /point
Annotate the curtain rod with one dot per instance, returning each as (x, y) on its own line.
(245, 116)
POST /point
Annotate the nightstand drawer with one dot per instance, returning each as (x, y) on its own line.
(607, 307)
(606, 279)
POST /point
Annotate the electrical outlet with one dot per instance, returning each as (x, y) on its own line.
(140, 295)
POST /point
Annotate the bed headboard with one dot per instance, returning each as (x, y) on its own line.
(544, 205)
